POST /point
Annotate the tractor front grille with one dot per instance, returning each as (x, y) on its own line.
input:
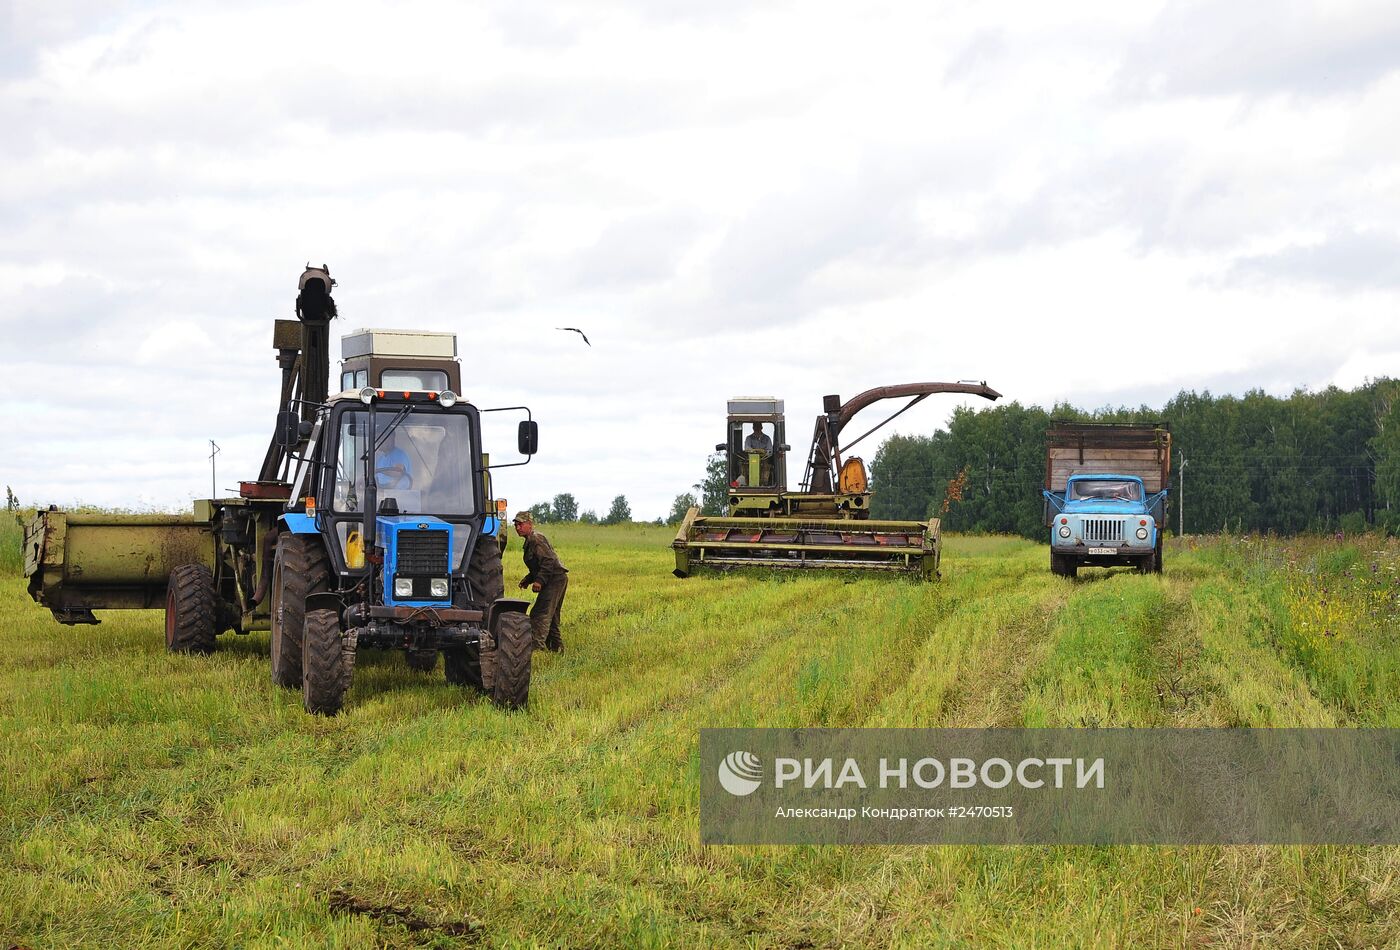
(1102, 529)
(422, 552)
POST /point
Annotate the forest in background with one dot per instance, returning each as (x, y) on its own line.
(1313, 461)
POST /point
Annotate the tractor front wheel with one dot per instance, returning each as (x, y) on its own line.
(191, 610)
(515, 645)
(301, 568)
(326, 663)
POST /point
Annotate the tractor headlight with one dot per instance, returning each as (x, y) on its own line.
(437, 587)
(367, 395)
(1142, 534)
(448, 398)
(403, 587)
(1064, 531)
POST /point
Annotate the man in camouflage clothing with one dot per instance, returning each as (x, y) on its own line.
(548, 578)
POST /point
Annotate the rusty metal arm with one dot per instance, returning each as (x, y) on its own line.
(826, 445)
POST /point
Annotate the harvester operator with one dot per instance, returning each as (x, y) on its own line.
(759, 442)
(547, 577)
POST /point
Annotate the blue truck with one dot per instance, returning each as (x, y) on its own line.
(1106, 495)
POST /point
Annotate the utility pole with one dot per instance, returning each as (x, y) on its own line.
(213, 469)
(1181, 494)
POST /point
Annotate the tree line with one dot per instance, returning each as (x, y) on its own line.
(1313, 461)
(565, 508)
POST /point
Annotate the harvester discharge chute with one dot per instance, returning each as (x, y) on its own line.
(827, 523)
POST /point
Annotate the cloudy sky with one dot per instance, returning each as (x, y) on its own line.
(1099, 203)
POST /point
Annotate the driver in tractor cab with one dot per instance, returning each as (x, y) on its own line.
(392, 467)
(758, 442)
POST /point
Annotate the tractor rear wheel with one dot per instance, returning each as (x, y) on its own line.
(424, 661)
(462, 666)
(515, 644)
(191, 610)
(484, 573)
(326, 663)
(300, 569)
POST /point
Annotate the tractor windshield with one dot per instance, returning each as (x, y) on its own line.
(1105, 489)
(423, 462)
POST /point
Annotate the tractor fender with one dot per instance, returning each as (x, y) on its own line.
(325, 600)
(504, 605)
(299, 523)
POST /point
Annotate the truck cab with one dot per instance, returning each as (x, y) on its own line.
(1105, 520)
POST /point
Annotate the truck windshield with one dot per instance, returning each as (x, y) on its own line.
(423, 464)
(1105, 489)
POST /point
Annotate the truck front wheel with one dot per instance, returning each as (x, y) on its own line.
(1063, 565)
(191, 610)
(326, 663)
(1148, 564)
(1157, 555)
(300, 569)
(515, 645)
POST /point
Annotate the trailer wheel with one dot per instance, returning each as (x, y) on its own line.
(301, 568)
(191, 610)
(421, 660)
(515, 644)
(327, 663)
(1063, 565)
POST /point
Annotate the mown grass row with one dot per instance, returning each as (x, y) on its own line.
(181, 801)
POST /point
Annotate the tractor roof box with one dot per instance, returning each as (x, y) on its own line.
(421, 344)
(755, 406)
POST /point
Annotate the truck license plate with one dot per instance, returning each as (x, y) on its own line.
(1103, 550)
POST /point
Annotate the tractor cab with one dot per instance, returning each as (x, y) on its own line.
(414, 360)
(755, 452)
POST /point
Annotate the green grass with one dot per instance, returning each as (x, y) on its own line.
(157, 800)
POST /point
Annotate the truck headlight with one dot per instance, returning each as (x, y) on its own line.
(437, 587)
(403, 587)
(1064, 531)
(1142, 534)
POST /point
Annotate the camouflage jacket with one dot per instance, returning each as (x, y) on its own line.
(541, 561)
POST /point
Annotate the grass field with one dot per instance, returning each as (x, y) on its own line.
(157, 800)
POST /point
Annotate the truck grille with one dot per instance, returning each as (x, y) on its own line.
(1103, 529)
(422, 552)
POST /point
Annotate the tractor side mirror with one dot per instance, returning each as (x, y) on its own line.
(288, 431)
(304, 429)
(721, 447)
(528, 438)
(784, 448)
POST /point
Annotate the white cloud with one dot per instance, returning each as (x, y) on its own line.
(793, 199)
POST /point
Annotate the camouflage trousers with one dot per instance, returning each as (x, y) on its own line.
(544, 615)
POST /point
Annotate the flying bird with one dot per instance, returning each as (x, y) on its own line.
(578, 331)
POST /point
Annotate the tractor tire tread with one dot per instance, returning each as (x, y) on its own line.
(192, 610)
(303, 568)
(515, 645)
(327, 664)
